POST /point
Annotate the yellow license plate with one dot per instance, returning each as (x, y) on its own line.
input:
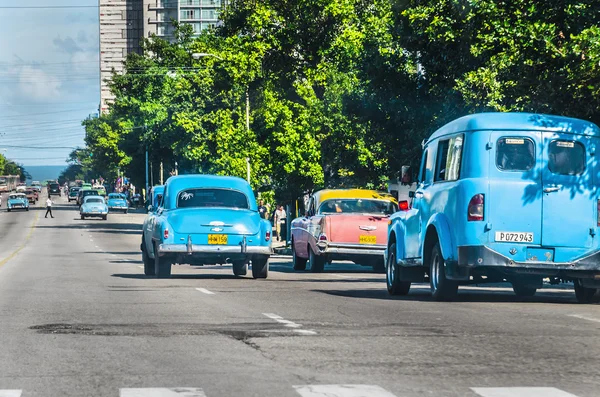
(367, 239)
(217, 239)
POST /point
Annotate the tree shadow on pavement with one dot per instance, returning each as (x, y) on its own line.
(470, 295)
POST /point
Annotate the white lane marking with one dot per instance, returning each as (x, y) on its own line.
(141, 267)
(289, 324)
(163, 392)
(205, 291)
(342, 391)
(521, 392)
(305, 332)
(10, 393)
(596, 320)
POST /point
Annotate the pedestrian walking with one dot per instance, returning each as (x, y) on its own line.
(49, 207)
(262, 210)
(280, 217)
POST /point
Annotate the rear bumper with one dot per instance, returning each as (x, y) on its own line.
(484, 257)
(213, 249)
(94, 213)
(342, 249)
(118, 208)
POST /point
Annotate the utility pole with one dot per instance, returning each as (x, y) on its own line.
(151, 175)
(247, 110)
(176, 170)
(147, 187)
(248, 169)
(161, 173)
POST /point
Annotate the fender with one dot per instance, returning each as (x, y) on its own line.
(445, 236)
(397, 228)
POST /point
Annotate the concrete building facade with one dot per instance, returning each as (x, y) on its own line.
(200, 14)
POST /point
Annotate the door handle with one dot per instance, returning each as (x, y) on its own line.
(551, 189)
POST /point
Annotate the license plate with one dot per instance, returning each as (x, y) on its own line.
(514, 237)
(217, 239)
(364, 239)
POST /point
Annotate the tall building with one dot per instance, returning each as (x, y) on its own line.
(121, 30)
(124, 23)
(201, 14)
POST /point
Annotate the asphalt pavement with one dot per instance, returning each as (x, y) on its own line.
(79, 318)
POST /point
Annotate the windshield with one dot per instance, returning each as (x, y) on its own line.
(358, 206)
(212, 198)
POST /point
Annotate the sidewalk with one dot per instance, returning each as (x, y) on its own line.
(281, 248)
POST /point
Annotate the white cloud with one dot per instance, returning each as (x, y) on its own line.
(37, 85)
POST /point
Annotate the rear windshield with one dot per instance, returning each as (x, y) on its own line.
(515, 154)
(90, 193)
(566, 157)
(115, 196)
(357, 206)
(54, 185)
(94, 200)
(212, 198)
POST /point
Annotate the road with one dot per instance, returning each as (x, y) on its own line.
(79, 318)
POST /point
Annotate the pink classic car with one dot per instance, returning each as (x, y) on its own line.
(343, 224)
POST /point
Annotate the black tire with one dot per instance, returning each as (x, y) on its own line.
(82, 217)
(317, 262)
(298, 263)
(442, 289)
(240, 268)
(585, 294)
(27, 209)
(395, 286)
(104, 217)
(162, 265)
(125, 211)
(260, 267)
(148, 262)
(523, 290)
(379, 266)
(8, 209)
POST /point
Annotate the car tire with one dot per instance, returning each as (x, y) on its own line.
(585, 294)
(27, 209)
(317, 262)
(149, 269)
(395, 285)
(162, 265)
(125, 211)
(522, 290)
(260, 267)
(379, 266)
(8, 209)
(442, 289)
(297, 262)
(104, 217)
(240, 268)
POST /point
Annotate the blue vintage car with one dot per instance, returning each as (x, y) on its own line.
(502, 197)
(17, 201)
(117, 202)
(206, 219)
(156, 198)
(93, 206)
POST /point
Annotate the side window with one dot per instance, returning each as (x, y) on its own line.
(423, 172)
(566, 157)
(515, 154)
(448, 159)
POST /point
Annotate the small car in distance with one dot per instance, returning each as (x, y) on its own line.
(83, 193)
(206, 219)
(32, 195)
(490, 207)
(100, 189)
(54, 189)
(17, 201)
(93, 206)
(73, 193)
(117, 202)
(343, 224)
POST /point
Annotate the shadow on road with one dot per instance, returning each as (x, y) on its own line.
(99, 226)
(184, 276)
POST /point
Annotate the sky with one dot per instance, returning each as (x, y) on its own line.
(49, 77)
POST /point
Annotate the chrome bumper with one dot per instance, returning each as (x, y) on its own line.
(351, 249)
(213, 249)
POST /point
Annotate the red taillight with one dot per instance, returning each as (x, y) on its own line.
(166, 234)
(475, 210)
(403, 205)
(598, 216)
(267, 236)
(322, 237)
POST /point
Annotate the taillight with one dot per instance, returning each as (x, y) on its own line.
(598, 212)
(267, 236)
(322, 237)
(403, 205)
(166, 234)
(475, 210)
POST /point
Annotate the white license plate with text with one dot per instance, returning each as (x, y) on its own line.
(514, 237)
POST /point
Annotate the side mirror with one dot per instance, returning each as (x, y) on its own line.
(403, 205)
(405, 175)
(411, 194)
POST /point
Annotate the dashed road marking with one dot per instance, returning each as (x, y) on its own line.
(10, 393)
(596, 320)
(163, 392)
(342, 391)
(290, 324)
(205, 291)
(520, 392)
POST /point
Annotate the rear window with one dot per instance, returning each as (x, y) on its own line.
(54, 186)
(90, 193)
(566, 157)
(94, 200)
(448, 159)
(515, 154)
(357, 206)
(115, 196)
(212, 198)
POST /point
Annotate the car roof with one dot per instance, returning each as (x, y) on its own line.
(328, 194)
(514, 121)
(175, 184)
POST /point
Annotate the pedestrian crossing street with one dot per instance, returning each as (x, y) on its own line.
(331, 391)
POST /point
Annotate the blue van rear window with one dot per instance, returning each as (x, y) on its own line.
(566, 157)
(515, 154)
